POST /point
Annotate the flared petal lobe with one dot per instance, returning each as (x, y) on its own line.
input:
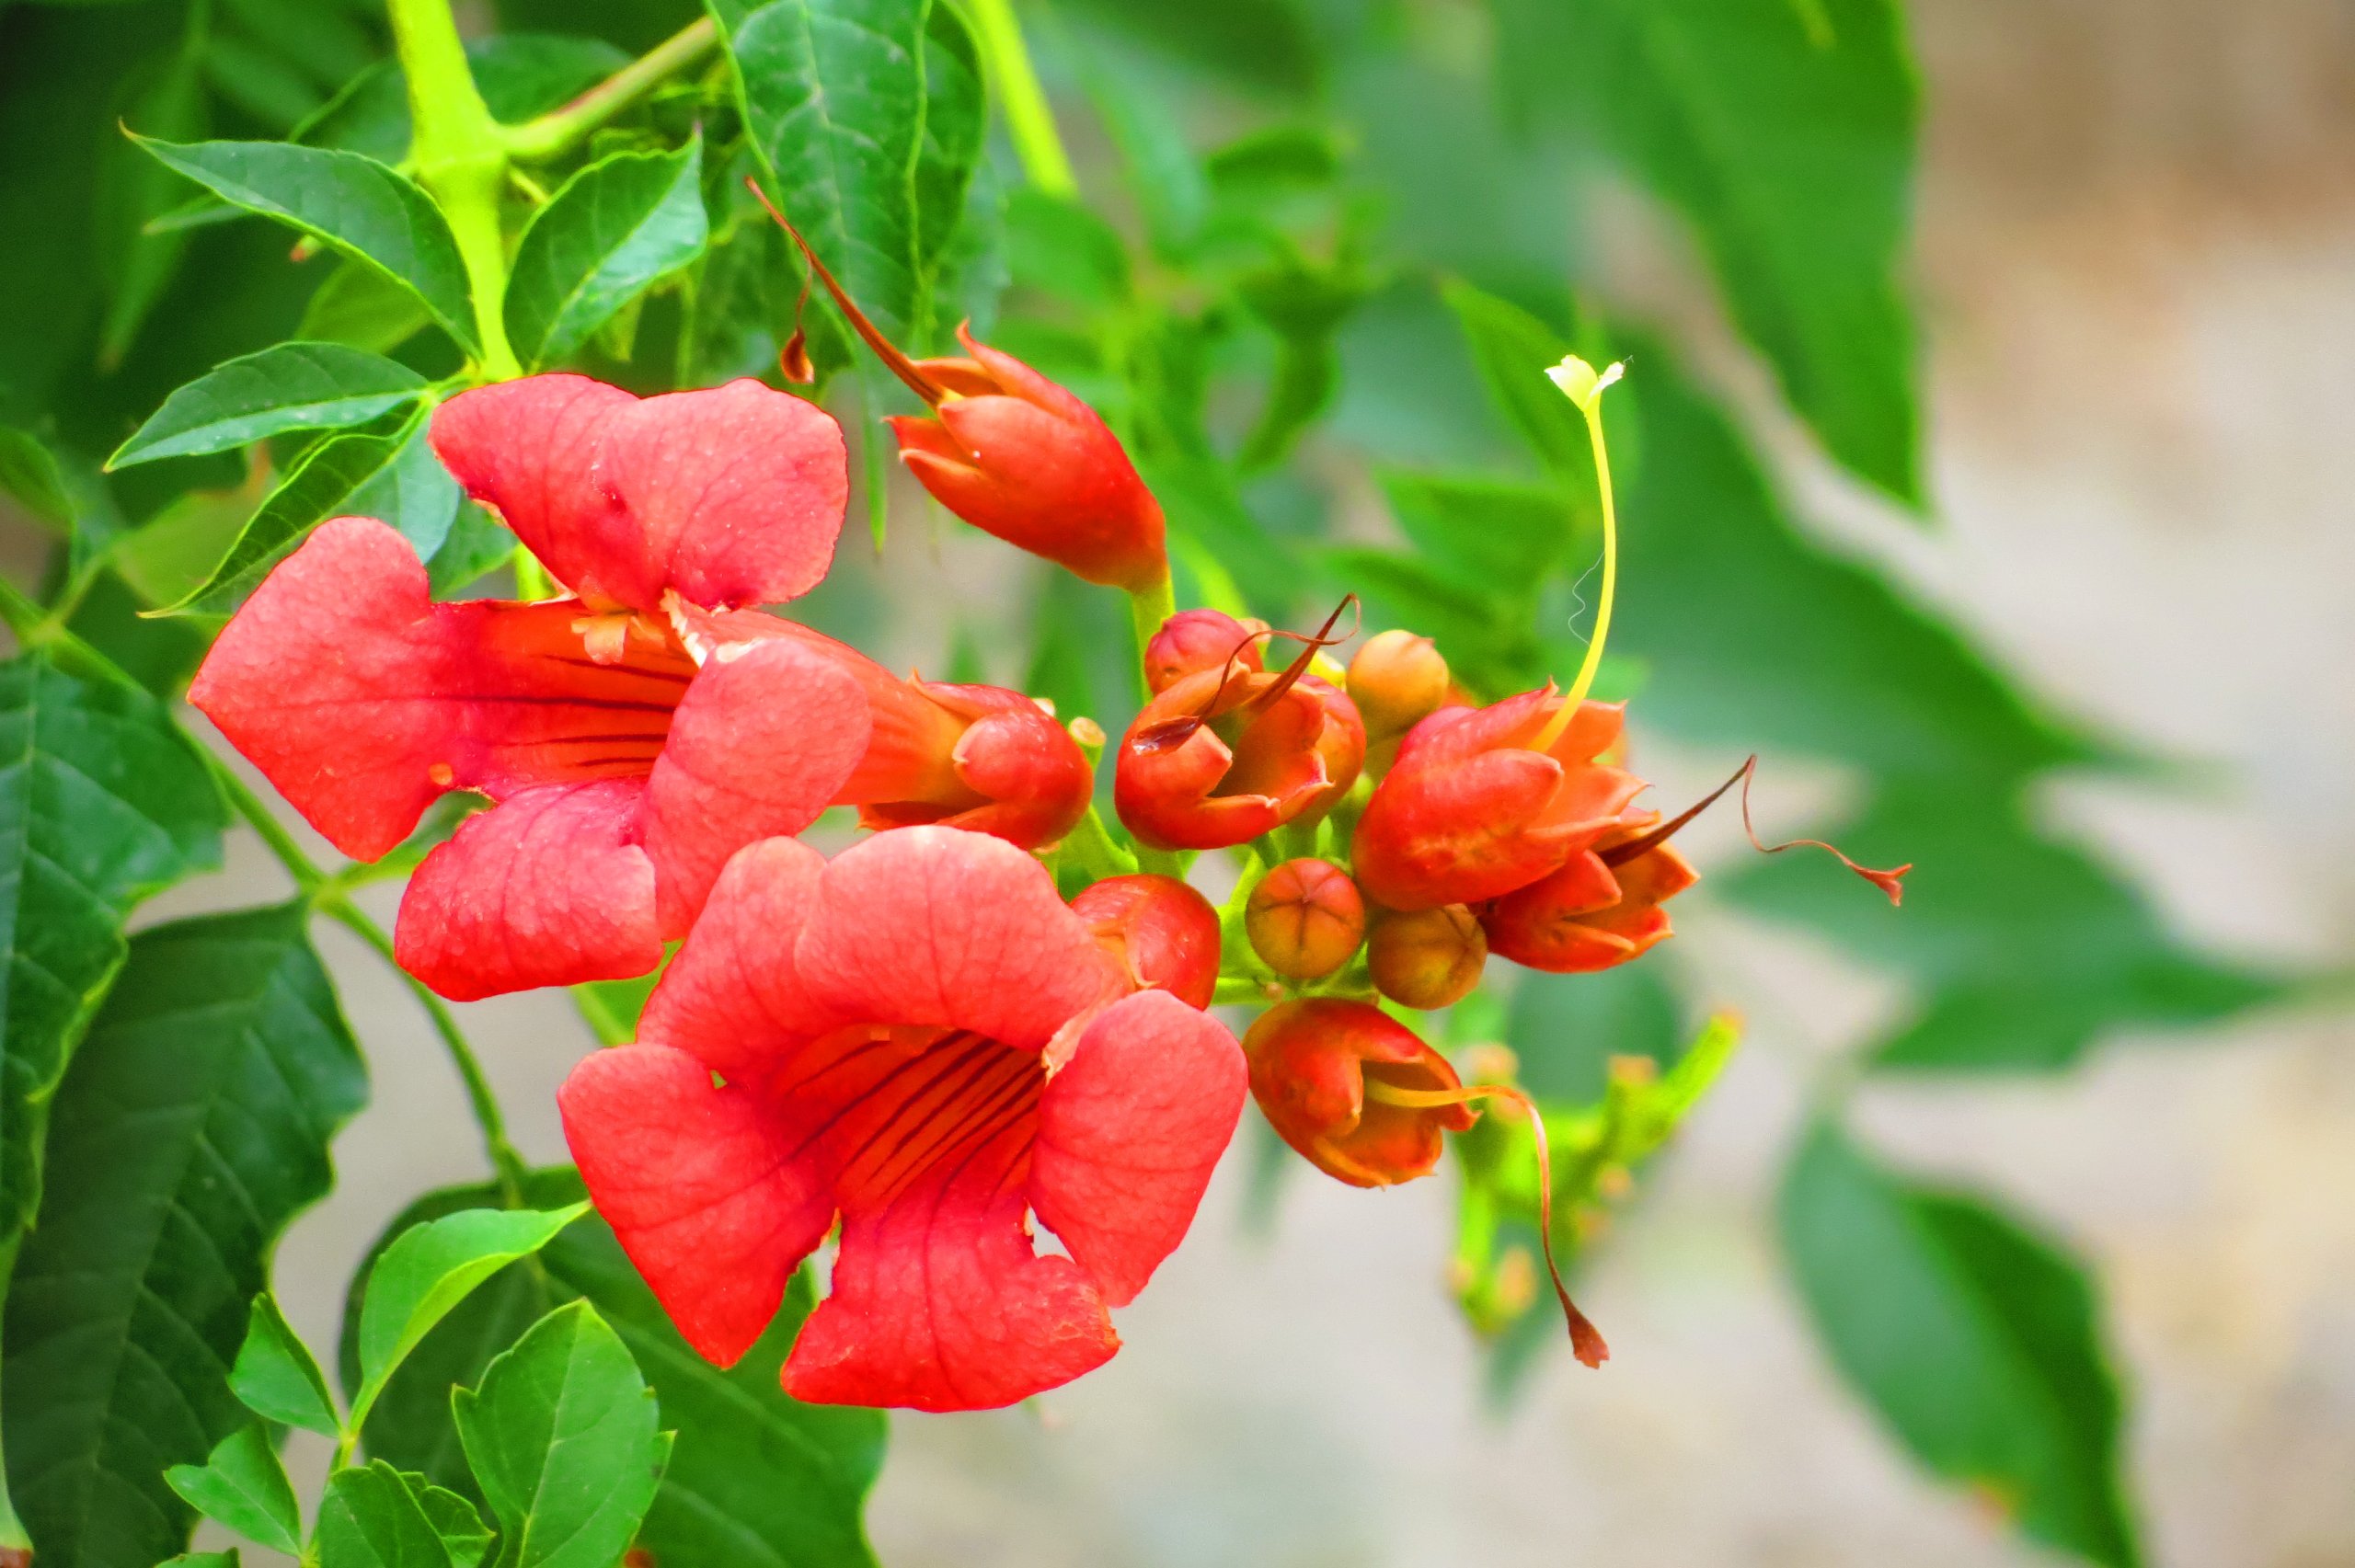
(701, 1186)
(1129, 1133)
(731, 496)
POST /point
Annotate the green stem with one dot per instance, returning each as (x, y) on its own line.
(1148, 608)
(1028, 120)
(1091, 848)
(558, 131)
(460, 156)
(326, 895)
(16, 1543)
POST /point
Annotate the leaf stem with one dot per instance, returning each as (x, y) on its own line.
(1148, 608)
(560, 130)
(1028, 120)
(460, 153)
(328, 896)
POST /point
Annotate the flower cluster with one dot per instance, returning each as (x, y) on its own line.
(921, 1045)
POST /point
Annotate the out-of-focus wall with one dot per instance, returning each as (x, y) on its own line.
(2139, 272)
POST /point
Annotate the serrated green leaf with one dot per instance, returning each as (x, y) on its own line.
(609, 232)
(956, 122)
(134, 191)
(464, 1535)
(371, 1517)
(563, 1441)
(243, 1486)
(1511, 349)
(1784, 133)
(276, 1377)
(322, 484)
(190, 1130)
(360, 307)
(757, 1479)
(102, 803)
(202, 1560)
(290, 387)
(29, 476)
(430, 1270)
(1978, 1342)
(412, 491)
(833, 98)
(347, 200)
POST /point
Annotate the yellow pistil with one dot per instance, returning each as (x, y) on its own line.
(1584, 385)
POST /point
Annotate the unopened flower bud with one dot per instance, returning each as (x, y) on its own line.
(1164, 933)
(1429, 958)
(1194, 640)
(1397, 679)
(1306, 919)
(1356, 1092)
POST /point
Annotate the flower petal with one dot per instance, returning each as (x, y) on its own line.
(935, 925)
(732, 996)
(1129, 1133)
(545, 889)
(764, 737)
(699, 1184)
(737, 492)
(940, 1302)
(528, 450)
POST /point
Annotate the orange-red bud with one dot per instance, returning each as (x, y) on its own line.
(1306, 919)
(1397, 680)
(1596, 912)
(1194, 640)
(1427, 958)
(1222, 756)
(1310, 1065)
(1164, 933)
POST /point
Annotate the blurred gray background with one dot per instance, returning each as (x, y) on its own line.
(2138, 260)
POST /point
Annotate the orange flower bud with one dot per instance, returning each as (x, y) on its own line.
(1597, 912)
(1320, 1070)
(1306, 919)
(1397, 679)
(1427, 958)
(1194, 640)
(1221, 757)
(1164, 934)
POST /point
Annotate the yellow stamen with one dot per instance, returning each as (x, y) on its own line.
(1584, 386)
(1586, 1342)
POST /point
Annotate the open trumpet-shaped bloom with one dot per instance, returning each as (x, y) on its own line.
(921, 1038)
(1472, 811)
(625, 769)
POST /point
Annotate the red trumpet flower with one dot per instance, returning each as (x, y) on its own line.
(921, 1038)
(1483, 801)
(975, 757)
(624, 772)
(1224, 754)
(1164, 934)
(1017, 455)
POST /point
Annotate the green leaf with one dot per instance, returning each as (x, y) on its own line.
(757, 1479)
(191, 1129)
(1783, 133)
(29, 475)
(292, 386)
(956, 123)
(347, 200)
(276, 1377)
(1512, 349)
(430, 1270)
(833, 97)
(2027, 949)
(376, 1518)
(520, 75)
(608, 233)
(612, 1008)
(1566, 1028)
(1058, 247)
(102, 803)
(160, 655)
(324, 483)
(134, 191)
(243, 1486)
(360, 307)
(464, 1535)
(1976, 1341)
(202, 1560)
(477, 543)
(562, 1437)
(1489, 531)
(412, 491)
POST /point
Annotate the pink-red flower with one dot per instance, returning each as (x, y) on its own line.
(1163, 933)
(1599, 909)
(922, 1039)
(626, 770)
(1340, 1081)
